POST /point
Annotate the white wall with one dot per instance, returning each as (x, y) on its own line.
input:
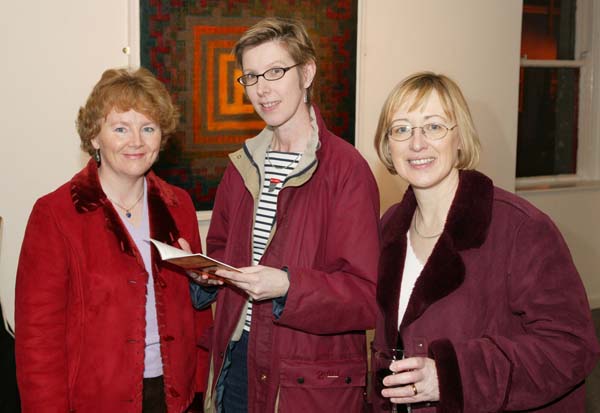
(53, 52)
(576, 213)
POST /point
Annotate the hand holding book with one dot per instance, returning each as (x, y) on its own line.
(258, 281)
(200, 267)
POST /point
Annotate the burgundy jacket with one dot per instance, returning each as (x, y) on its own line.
(80, 302)
(313, 358)
(499, 306)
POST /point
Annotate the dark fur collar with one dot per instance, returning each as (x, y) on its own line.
(88, 196)
(466, 227)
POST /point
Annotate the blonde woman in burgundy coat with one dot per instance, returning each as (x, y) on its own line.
(476, 285)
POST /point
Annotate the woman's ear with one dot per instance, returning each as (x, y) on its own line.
(309, 69)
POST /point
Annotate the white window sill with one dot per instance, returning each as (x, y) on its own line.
(558, 183)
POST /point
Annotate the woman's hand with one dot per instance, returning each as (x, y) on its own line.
(201, 278)
(413, 374)
(259, 282)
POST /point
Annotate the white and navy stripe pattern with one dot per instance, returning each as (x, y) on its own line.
(278, 166)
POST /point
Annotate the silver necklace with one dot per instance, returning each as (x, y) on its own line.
(274, 181)
(417, 229)
(127, 210)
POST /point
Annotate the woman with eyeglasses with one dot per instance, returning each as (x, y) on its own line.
(297, 211)
(476, 286)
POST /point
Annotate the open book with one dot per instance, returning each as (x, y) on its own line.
(187, 261)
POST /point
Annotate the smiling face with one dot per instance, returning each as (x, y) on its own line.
(280, 103)
(129, 143)
(422, 162)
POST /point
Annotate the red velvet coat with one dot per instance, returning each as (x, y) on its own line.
(499, 306)
(313, 358)
(80, 302)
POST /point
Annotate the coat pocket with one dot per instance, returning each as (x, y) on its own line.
(325, 385)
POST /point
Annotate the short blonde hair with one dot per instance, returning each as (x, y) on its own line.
(291, 34)
(416, 89)
(123, 90)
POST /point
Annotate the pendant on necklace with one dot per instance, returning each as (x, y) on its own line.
(273, 183)
(128, 214)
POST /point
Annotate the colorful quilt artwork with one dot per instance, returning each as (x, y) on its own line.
(188, 45)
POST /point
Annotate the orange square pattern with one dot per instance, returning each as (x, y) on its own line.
(225, 117)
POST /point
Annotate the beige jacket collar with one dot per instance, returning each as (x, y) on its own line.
(250, 159)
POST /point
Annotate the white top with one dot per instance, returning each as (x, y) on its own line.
(412, 270)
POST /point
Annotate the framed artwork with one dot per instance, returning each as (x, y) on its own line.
(188, 46)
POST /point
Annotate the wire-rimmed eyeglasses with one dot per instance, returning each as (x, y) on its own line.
(432, 131)
(274, 73)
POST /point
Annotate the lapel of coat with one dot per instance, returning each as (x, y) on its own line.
(162, 224)
(88, 196)
(466, 227)
(394, 225)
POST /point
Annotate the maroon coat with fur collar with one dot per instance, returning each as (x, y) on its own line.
(499, 306)
(80, 302)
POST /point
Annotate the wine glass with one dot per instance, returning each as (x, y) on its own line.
(385, 359)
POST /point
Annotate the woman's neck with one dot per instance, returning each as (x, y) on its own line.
(123, 190)
(434, 203)
(296, 144)
(293, 137)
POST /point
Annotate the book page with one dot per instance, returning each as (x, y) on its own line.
(188, 261)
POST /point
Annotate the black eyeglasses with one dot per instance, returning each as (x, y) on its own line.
(274, 73)
(433, 131)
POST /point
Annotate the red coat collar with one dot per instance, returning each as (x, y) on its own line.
(466, 227)
(88, 196)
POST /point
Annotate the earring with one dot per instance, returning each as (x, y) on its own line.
(96, 156)
(305, 96)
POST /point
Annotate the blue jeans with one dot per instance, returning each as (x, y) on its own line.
(235, 392)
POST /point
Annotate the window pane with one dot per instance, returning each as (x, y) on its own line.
(548, 30)
(547, 135)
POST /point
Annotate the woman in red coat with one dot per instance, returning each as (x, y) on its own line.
(101, 326)
(476, 286)
(298, 211)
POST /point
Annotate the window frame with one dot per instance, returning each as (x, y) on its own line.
(587, 53)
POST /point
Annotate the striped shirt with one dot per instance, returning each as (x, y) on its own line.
(278, 166)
